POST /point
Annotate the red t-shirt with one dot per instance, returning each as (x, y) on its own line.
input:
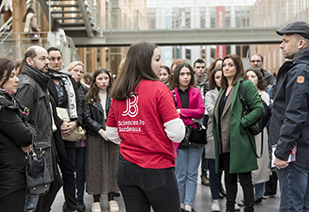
(140, 122)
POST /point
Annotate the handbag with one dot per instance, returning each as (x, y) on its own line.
(257, 127)
(64, 115)
(35, 36)
(38, 178)
(193, 136)
(198, 135)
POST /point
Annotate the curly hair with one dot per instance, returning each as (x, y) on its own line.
(211, 67)
(261, 84)
(212, 82)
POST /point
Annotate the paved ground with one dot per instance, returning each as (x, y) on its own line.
(202, 202)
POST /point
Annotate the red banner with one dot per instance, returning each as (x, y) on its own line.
(220, 23)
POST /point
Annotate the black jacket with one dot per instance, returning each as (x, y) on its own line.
(14, 133)
(82, 91)
(94, 116)
(79, 106)
(290, 118)
(269, 78)
(32, 93)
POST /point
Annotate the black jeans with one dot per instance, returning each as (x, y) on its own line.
(80, 172)
(245, 180)
(67, 167)
(14, 201)
(142, 188)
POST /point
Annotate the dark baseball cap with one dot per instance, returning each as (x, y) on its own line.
(297, 27)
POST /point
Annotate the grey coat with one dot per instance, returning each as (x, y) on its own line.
(210, 100)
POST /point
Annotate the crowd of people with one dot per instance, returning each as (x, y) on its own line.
(133, 129)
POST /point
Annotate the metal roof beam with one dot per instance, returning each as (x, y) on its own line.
(173, 37)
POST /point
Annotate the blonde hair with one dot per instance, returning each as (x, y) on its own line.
(75, 63)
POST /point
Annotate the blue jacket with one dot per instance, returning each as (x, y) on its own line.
(290, 118)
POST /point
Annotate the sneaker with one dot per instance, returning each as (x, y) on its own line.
(257, 200)
(241, 203)
(95, 207)
(192, 210)
(80, 206)
(205, 180)
(215, 206)
(237, 208)
(113, 206)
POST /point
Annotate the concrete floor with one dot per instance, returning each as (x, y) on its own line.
(201, 204)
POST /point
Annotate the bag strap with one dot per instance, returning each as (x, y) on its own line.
(245, 107)
(241, 96)
(175, 99)
(34, 142)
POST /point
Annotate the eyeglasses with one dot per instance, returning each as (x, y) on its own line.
(55, 58)
(255, 61)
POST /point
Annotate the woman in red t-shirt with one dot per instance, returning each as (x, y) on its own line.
(144, 122)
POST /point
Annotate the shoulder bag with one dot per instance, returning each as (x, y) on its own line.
(78, 131)
(37, 174)
(258, 126)
(193, 136)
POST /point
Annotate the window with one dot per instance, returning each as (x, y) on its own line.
(202, 17)
(213, 17)
(242, 51)
(188, 53)
(203, 52)
(176, 52)
(227, 17)
(188, 19)
(213, 52)
(227, 50)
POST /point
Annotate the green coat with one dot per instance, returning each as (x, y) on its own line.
(242, 158)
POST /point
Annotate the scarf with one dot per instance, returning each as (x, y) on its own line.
(68, 86)
(40, 77)
(12, 101)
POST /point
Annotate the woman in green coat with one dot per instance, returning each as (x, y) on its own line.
(234, 153)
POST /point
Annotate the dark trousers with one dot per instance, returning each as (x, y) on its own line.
(46, 201)
(245, 180)
(142, 188)
(14, 201)
(271, 185)
(67, 167)
(80, 172)
(205, 163)
(214, 179)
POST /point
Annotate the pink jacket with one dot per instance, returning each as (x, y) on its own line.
(196, 107)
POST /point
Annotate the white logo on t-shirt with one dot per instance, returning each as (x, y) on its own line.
(132, 108)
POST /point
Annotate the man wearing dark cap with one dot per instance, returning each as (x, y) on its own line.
(289, 126)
